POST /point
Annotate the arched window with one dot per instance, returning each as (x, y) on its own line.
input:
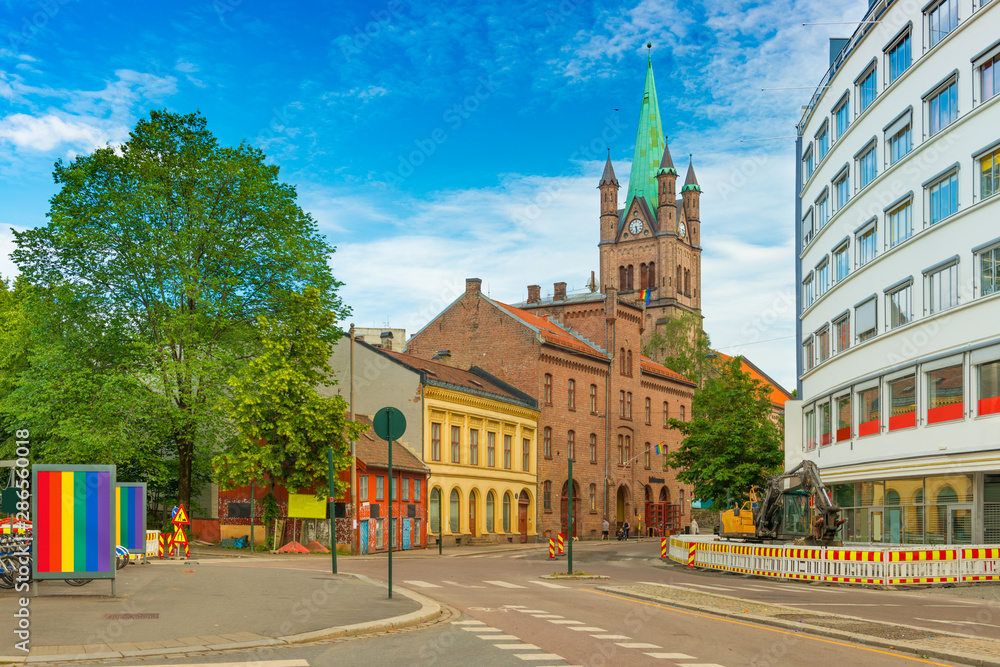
(454, 511)
(682, 500)
(547, 496)
(593, 398)
(621, 361)
(651, 278)
(571, 394)
(571, 445)
(643, 276)
(434, 510)
(547, 395)
(678, 284)
(628, 364)
(666, 413)
(621, 403)
(646, 459)
(687, 281)
(682, 413)
(593, 497)
(593, 448)
(547, 442)
(628, 405)
(490, 502)
(628, 448)
(622, 278)
(506, 512)
(621, 449)
(631, 277)
(649, 410)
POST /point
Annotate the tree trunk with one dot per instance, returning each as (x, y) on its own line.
(185, 461)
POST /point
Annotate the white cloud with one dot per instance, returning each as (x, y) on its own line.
(184, 66)
(47, 132)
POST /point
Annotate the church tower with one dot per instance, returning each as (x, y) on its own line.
(650, 250)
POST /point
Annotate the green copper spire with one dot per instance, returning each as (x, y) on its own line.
(648, 146)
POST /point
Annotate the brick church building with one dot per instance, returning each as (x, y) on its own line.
(602, 403)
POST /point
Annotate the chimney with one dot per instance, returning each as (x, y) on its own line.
(442, 357)
(560, 293)
(473, 285)
(534, 293)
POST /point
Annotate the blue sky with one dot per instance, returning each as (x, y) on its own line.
(437, 141)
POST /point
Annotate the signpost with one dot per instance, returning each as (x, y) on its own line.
(332, 507)
(389, 425)
(569, 521)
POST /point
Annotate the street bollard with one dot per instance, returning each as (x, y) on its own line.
(561, 544)
(552, 549)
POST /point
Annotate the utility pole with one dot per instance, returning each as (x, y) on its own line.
(569, 520)
(355, 511)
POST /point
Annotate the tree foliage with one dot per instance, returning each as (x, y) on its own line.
(157, 262)
(681, 345)
(730, 443)
(284, 427)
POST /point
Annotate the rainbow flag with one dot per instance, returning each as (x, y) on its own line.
(73, 520)
(644, 295)
(130, 516)
(658, 450)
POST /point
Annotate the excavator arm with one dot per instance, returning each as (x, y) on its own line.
(797, 505)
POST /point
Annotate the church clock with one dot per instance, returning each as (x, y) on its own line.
(635, 226)
(682, 229)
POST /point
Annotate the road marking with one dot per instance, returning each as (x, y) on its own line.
(532, 611)
(514, 606)
(610, 637)
(527, 647)
(670, 656)
(840, 604)
(476, 628)
(504, 584)
(455, 583)
(934, 620)
(472, 622)
(589, 629)
(700, 664)
(538, 656)
(548, 616)
(949, 606)
(565, 622)
(421, 584)
(548, 584)
(498, 637)
(268, 663)
(636, 645)
(745, 624)
(714, 588)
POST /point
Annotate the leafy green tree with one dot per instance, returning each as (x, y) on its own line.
(731, 442)
(682, 345)
(162, 254)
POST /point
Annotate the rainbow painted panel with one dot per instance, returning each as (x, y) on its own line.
(130, 516)
(74, 518)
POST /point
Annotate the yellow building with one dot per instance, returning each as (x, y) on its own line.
(482, 454)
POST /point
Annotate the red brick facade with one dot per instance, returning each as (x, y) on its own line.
(538, 348)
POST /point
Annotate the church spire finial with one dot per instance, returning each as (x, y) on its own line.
(648, 150)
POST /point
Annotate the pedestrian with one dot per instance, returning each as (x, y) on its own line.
(626, 528)
(694, 526)
(605, 527)
(638, 527)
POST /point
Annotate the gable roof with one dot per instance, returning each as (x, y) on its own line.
(647, 365)
(778, 393)
(374, 451)
(474, 381)
(553, 333)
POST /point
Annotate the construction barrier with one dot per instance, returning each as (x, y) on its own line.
(877, 565)
(561, 544)
(152, 542)
(663, 547)
(552, 549)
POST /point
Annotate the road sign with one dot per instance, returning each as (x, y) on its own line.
(389, 423)
(181, 517)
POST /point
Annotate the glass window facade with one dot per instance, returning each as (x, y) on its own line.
(989, 174)
(989, 271)
(902, 403)
(867, 245)
(942, 20)
(869, 422)
(866, 168)
(867, 90)
(843, 188)
(842, 333)
(899, 58)
(900, 225)
(989, 78)
(843, 117)
(842, 406)
(810, 430)
(942, 108)
(942, 289)
(944, 395)
(825, 425)
(823, 211)
(989, 388)
(900, 144)
(842, 259)
(823, 142)
(898, 305)
(943, 198)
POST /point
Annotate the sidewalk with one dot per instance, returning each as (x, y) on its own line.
(205, 551)
(192, 606)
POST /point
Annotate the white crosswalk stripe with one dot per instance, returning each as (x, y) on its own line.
(455, 583)
(589, 628)
(610, 636)
(670, 656)
(504, 584)
(421, 584)
(548, 584)
(467, 623)
(538, 656)
(526, 647)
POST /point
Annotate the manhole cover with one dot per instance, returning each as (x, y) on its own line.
(130, 617)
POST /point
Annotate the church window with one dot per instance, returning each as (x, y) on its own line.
(547, 442)
(593, 398)
(666, 414)
(687, 282)
(621, 449)
(548, 389)
(628, 362)
(571, 395)
(621, 361)
(628, 405)
(643, 276)
(621, 403)
(631, 277)
(622, 278)
(651, 276)
(649, 409)
(593, 448)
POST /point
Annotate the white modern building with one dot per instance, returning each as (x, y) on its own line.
(898, 266)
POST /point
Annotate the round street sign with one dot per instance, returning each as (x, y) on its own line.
(389, 423)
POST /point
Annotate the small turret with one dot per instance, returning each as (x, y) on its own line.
(609, 201)
(691, 195)
(666, 190)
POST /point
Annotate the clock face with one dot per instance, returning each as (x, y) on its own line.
(635, 226)
(683, 230)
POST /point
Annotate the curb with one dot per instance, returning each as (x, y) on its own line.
(902, 646)
(429, 611)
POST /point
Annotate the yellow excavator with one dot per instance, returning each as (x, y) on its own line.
(795, 507)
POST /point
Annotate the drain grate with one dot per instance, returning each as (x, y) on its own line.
(130, 617)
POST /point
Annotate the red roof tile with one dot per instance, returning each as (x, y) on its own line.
(650, 366)
(552, 332)
(374, 451)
